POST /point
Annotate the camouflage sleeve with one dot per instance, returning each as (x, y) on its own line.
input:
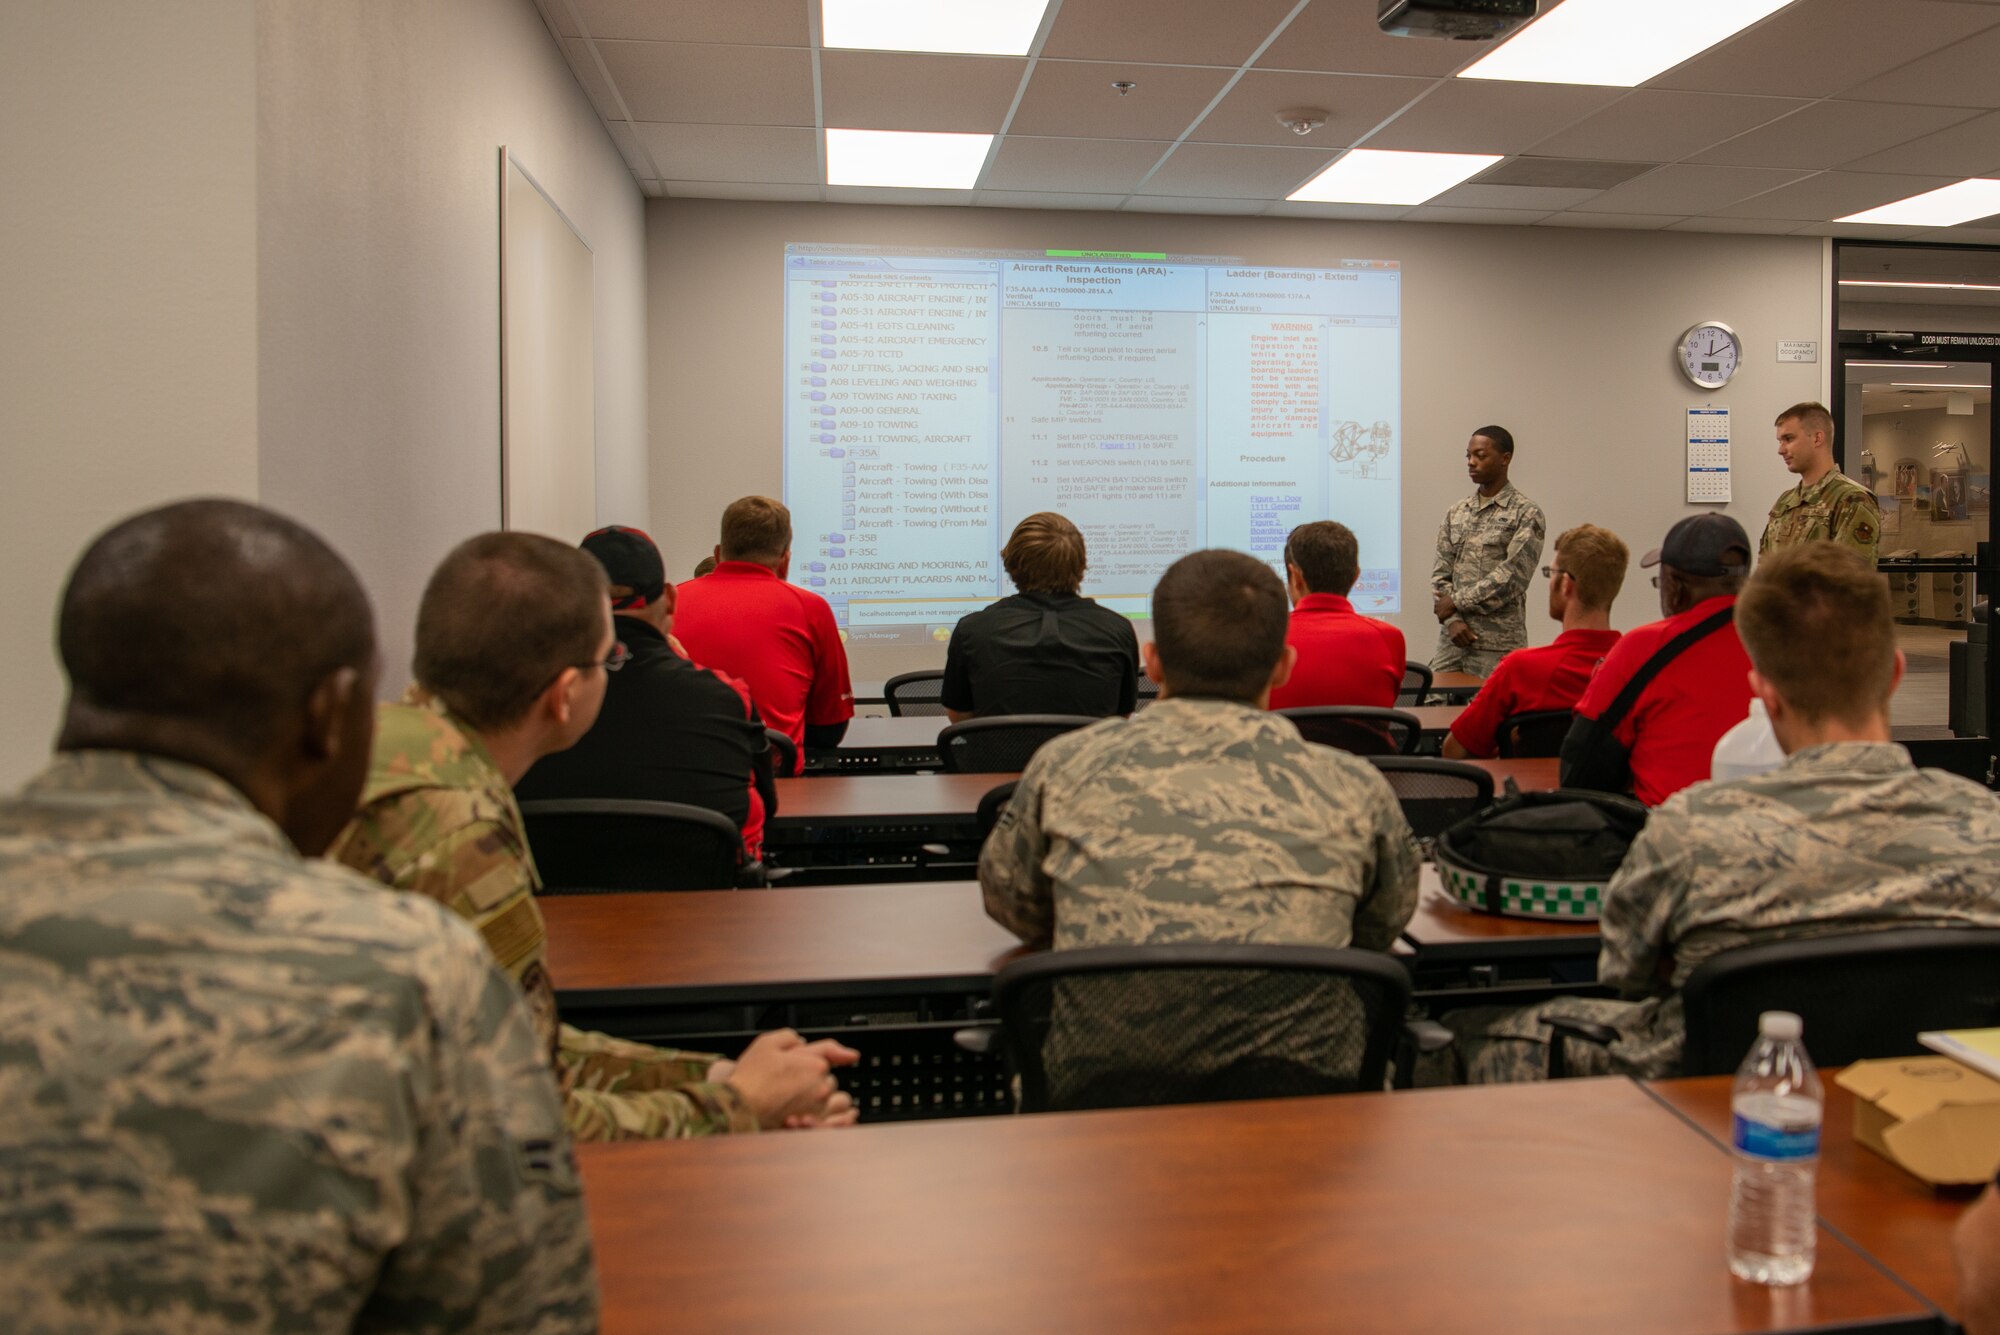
(1018, 893)
(1391, 895)
(1639, 907)
(498, 1239)
(1441, 562)
(617, 1089)
(1857, 522)
(1507, 583)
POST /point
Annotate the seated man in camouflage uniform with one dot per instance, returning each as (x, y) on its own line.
(514, 640)
(1846, 836)
(1204, 818)
(245, 1090)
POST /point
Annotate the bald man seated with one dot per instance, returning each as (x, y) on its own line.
(245, 1090)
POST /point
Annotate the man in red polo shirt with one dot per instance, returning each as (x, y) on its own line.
(1650, 718)
(746, 619)
(1344, 658)
(1584, 579)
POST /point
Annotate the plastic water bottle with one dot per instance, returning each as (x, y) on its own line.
(1748, 748)
(1777, 1106)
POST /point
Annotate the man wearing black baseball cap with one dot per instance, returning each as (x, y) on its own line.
(1650, 718)
(669, 731)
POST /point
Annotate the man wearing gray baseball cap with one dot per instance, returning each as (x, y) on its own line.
(1650, 718)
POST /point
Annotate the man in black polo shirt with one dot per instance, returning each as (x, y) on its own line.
(1046, 650)
(669, 731)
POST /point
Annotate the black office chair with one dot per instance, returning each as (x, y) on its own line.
(1861, 994)
(991, 805)
(1129, 1026)
(1149, 690)
(1001, 745)
(587, 846)
(1435, 794)
(1416, 684)
(1534, 732)
(1363, 730)
(915, 694)
(784, 755)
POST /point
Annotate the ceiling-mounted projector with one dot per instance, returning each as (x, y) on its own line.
(1459, 20)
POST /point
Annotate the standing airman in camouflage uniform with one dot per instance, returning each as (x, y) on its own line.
(1487, 550)
(438, 818)
(1846, 836)
(1827, 504)
(241, 1089)
(1204, 819)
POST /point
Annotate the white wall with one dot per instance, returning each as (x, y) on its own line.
(379, 124)
(1564, 336)
(128, 297)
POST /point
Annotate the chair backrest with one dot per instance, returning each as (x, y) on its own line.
(1435, 794)
(915, 694)
(588, 846)
(1416, 684)
(1358, 728)
(1535, 732)
(1861, 994)
(784, 755)
(1001, 745)
(1127, 1026)
(992, 804)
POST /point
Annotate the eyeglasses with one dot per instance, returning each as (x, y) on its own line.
(611, 662)
(1550, 572)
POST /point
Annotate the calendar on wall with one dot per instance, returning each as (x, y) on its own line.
(1708, 454)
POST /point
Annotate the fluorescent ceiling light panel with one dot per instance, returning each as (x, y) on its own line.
(959, 27)
(1617, 43)
(909, 159)
(1947, 206)
(1929, 283)
(1374, 176)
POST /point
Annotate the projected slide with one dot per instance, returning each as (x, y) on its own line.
(1163, 403)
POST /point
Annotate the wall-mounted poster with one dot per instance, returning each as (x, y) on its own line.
(1906, 478)
(1947, 494)
(1979, 493)
(1923, 506)
(1892, 514)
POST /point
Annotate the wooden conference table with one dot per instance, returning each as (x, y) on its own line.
(1862, 1197)
(1582, 1206)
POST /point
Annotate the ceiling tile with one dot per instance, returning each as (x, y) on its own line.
(1354, 104)
(753, 22)
(1170, 32)
(1232, 169)
(1489, 116)
(1686, 189)
(1853, 231)
(1176, 204)
(1828, 133)
(599, 92)
(1776, 226)
(1959, 76)
(1446, 214)
(890, 90)
(1564, 173)
(731, 152)
(1340, 36)
(718, 85)
(882, 194)
(630, 149)
(740, 190)
(1646, 222)
(1971, 148)
(1348, 212)
(1818, 47)
(1540, 198)
(1831, 195)
(1068, 165)
(1075, 99)
(1663, 125)
(1968, 234)
(1034, 199)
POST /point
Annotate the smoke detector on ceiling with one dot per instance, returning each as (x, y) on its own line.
(1302, 120)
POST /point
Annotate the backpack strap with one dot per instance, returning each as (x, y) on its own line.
(1622, 703)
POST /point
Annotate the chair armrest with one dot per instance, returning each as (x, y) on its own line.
(978, 1039)
(1588, 1030)
(751, 875)
(1420, 1037)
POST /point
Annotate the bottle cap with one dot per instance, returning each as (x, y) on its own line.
(1781, 1025)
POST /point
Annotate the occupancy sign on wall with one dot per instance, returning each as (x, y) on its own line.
(1708, 454)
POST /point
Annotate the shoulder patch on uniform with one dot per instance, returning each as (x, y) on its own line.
(1864, 531)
